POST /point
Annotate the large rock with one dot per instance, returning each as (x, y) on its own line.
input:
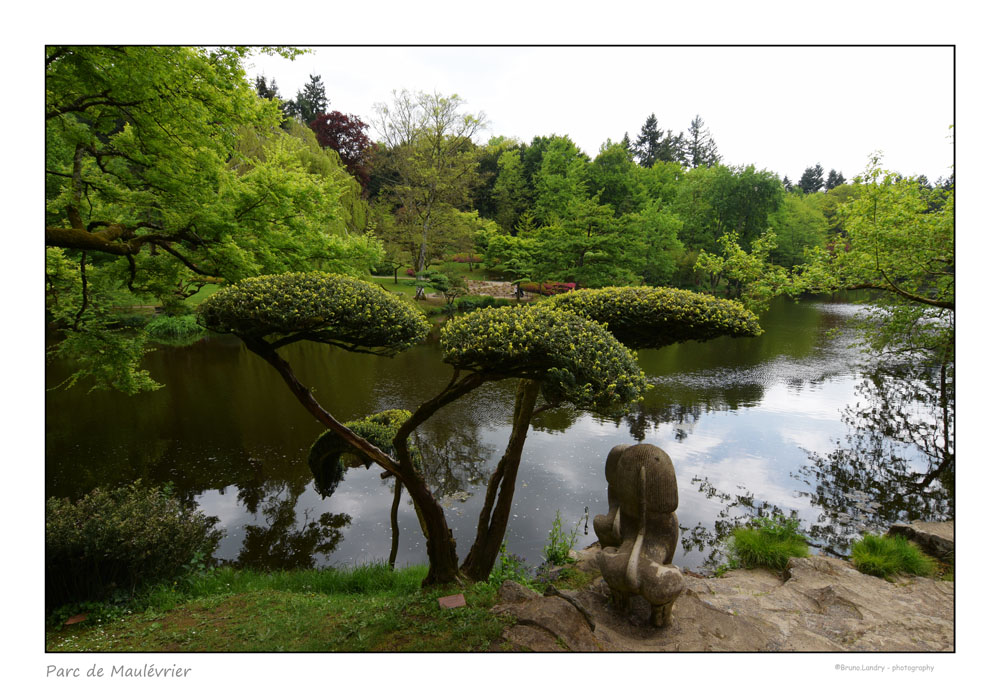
(546, 624)
(821, 604)
(936, 538)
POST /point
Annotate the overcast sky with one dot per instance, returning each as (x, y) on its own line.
(780, 108)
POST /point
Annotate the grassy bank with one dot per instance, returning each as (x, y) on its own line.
(369, 608)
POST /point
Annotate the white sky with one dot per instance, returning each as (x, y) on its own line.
(779, 108)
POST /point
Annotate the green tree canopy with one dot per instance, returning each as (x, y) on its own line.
(645, 317)
(166, 171)
(576, 359)
(320, 307)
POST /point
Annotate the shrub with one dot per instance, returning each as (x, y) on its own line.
(112, 541)
(769, 543)
(326, 454)
(173, 327)
(889, 556)
(476, 302)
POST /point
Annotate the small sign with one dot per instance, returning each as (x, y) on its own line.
(453, 601)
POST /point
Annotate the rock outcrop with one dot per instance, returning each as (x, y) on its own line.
(821, 604)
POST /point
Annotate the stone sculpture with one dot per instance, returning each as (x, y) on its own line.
(639, 534)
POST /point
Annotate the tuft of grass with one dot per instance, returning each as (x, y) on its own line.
(890, 556)
(768, 543)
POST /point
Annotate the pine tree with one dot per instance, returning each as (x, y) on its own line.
(673, 148)
(812, 179)
(787, 183)
(647, 145)
(701, 148)
(311, 101)
(265, 89)
(834, 179)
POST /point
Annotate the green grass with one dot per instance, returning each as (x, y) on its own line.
(890, 556)
(769, 543)
(369, 608)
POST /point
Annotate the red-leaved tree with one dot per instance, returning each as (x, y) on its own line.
(345, 133)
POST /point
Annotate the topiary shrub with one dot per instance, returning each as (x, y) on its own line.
(329, 308)
(646, 317)
(326, 456)
(576, 359)
(112, 541)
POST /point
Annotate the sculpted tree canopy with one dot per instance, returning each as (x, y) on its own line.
(328, 308)
(646, 317)
(576, 360)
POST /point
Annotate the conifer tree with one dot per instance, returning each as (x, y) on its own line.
(701, 148)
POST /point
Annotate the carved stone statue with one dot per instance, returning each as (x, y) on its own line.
(639, 534)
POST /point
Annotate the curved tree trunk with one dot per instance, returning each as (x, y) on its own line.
(500, 490)
(442, 558)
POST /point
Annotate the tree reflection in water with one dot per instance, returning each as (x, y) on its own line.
(897, 463)
(283, 543)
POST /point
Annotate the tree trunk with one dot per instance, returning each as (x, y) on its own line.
(397, 490)
(442, 558)
(493, 520)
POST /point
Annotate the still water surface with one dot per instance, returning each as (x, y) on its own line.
(744, 421)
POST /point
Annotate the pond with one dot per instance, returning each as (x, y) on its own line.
(753, 426)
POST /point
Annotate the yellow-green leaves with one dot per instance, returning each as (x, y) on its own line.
(318, 306)
(576, 359)
(644, 317)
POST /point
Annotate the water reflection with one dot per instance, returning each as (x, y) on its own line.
(289, 540)
(753, 427)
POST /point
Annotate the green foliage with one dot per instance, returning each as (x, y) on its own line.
(111, 541)
(769, 543)
(900, 239)
(174, 327)
(643, 317)
(890, 556)
(560, 542)
(509, 566)
(164, 167)
(748, 275)
(577, 360)
(326, 456)
(321, 307)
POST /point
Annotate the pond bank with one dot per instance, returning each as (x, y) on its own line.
(821, 604)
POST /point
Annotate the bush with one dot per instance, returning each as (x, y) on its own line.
(769, 543)
(173, 327)
(889, 556)
(111, 542)
(476, 302)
